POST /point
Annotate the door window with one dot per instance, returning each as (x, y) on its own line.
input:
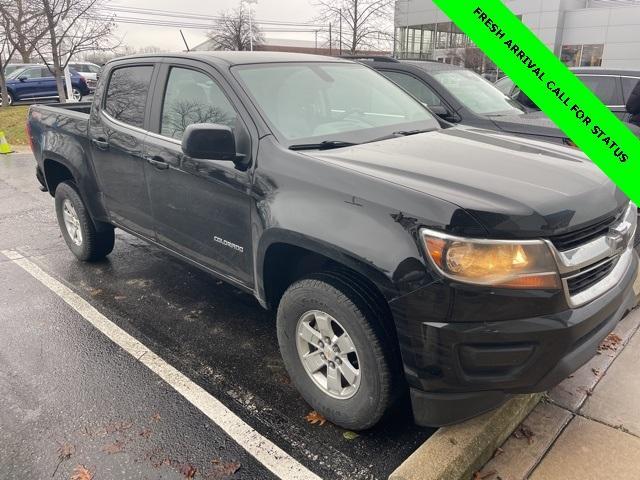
(126, 96)
(193, 97)
(415, 87)
(45, 73)
(32, 73)
(606, 88)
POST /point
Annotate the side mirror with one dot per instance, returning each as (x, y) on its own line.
(443, 112)
(209, 141)
(23, 78)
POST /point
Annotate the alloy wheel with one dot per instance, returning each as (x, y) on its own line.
(328, 354)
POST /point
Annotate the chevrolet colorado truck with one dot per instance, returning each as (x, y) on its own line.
(404, 257)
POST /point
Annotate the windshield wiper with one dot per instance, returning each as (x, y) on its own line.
(401, 133)
(325, 145)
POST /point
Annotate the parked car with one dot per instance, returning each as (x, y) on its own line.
(404, 256)
(12, 67)
(89, 72)
(38, 83)
(611, 86)
(461, 96)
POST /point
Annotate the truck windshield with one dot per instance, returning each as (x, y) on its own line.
(331, 102)
(477, 94)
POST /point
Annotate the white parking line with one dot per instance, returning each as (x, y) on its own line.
(279, 462)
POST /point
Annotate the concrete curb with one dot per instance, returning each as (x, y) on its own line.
(457, 451)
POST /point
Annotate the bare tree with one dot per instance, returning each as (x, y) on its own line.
(73, 26)
(22, 24)
(6, 51)
(366, 24)
(231, 31)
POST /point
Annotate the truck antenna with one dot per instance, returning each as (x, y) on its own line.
(185, 41)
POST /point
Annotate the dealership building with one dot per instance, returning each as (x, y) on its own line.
(581, 32)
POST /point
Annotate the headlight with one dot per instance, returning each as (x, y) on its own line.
(499, 263)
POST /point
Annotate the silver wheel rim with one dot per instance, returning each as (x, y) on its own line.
(71, 222)
(76, 94)
(328, 354)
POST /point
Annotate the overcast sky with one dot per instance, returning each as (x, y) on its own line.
(169, 37)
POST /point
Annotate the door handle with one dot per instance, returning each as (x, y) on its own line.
(100, 143)
(157, 162)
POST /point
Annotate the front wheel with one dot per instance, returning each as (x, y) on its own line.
(76, 94)
(335, 350)
(83, 239)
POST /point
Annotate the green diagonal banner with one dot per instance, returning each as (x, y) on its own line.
(542, 76)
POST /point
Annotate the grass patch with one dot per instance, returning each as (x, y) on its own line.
(12, 123)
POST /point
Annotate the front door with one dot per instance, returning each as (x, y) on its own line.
(117, 130)
(201, 207)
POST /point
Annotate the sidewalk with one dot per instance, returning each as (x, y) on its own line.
(588, 427)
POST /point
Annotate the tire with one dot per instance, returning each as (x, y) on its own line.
(76, 94)
(349, 406)
(10, 99)
(83, 239)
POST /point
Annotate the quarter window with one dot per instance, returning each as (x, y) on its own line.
(628, 84)
(193, 97)
(126, 96)
(415, 87)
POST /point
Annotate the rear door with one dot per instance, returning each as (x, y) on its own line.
(201, 207)
(47, 86)
(29, 83)
(117, 129)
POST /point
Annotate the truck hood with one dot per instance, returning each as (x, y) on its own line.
(532, 123)
(515, 187)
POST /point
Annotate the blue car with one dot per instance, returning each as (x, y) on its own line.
(37, 83)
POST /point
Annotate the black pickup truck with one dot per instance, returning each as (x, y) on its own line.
(404, 257)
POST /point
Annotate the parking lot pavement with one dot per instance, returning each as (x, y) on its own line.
(211, 332)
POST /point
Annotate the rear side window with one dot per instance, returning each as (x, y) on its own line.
(606, 88)
(628, 84)
(126, 96)
(415, 87)
(193, 97)
(45, 72)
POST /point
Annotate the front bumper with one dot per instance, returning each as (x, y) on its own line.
(457, 370)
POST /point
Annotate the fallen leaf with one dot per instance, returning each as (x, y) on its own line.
(499, 451)
(611, 342)
(65, 451)
(81, 473)
(350, 435)
(222, 470)
(95, 292)
(156, 417)
(115, 447)
(314, 417)
(595, 371)
(523, 431)
(453, 441)
(115, 427)
(188, 470)
(146, 433)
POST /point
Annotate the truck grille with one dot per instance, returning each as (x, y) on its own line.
(590, 277)
(570, 240)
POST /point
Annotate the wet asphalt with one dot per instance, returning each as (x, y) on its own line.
(65, 386)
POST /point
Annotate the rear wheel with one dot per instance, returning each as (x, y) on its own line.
(335, 350)
(76, 94)
(10, 99)
(83, 239)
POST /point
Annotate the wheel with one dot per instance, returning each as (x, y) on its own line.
(83, 239)
(10, 99)
(334, 347)
(76, 94)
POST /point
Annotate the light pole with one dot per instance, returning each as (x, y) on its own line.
(250, 2)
